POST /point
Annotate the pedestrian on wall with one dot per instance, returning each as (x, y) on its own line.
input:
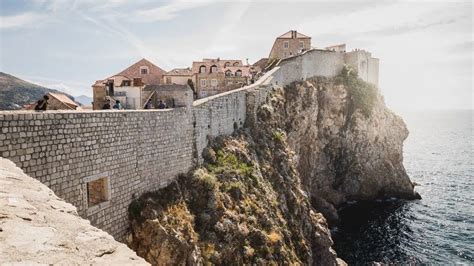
(42, 105)
(117, 105)
(148, 105)
(106, 106)
(161, 105)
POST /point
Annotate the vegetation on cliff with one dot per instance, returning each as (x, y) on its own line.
(363, 95)
(244, 206)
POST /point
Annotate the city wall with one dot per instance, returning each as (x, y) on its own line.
(132, 152)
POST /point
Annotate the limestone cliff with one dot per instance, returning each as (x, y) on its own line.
(312, 146)
(347, 144)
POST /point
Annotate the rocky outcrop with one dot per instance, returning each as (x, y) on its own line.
(259, 195)
(347, 145)
(244, 206)
(36, 227)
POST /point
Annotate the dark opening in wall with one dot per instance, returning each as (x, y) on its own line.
(97, 191)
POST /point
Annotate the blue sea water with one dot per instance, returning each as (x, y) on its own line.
(438, 229)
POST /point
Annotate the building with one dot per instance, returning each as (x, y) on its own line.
(56, 101)
(290, 44)
(131, 86)
(213, 76)
(179, 76)
(367, 67)
(294, 43)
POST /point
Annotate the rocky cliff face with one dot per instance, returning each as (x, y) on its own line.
(313, 146)
(347, 145)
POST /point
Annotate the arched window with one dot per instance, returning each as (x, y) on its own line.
(228, 73)
(238, 73)
(202, 69)
(236, 64)
(227, 64)
(213, 69)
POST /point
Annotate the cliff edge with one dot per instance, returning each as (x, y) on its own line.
(36, 227)
(260, 195)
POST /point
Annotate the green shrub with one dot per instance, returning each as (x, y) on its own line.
(278, 136)
(362, 94)
(230, 162)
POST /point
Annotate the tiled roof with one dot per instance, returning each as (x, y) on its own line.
(154, 76)
(180, 72)
(288, 35)
(63, 98)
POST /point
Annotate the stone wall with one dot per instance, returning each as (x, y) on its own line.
(38, 228)
(136, 151)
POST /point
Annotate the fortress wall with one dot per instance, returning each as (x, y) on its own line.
(217, 116)
(309, 64)
(137, 151)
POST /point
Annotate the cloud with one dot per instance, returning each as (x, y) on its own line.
(21, 20)
(167, 11)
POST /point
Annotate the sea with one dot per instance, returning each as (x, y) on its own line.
(439, 228)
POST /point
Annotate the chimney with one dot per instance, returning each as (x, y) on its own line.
(293, 34)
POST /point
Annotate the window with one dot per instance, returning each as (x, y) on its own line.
(202, 69)
(228, 73)
(227, 64)
(203, 83)
(168, 80)
(214, 69)
(213, 82)
(144, 70)
(126, 83)
(97, 192)
(286, 45)
(236, 64)
(301, 45)
(238, 73)
(230, 82)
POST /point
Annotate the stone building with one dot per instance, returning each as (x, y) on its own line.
(213, 76)
(178, 76)
(173, 95)
(132, 87)
(290, 44)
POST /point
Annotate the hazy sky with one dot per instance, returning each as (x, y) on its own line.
(425, 48)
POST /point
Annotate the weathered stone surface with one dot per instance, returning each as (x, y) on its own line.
(36, 227)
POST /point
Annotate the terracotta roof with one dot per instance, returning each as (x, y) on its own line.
(63, 98)
(179, 72)
(288, 35)
(154, 76)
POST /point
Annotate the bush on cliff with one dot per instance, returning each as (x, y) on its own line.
(363, 95)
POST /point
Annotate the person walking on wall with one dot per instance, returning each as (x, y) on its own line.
(161, 105)
(117, 105)
(148, 105)
(106, 105)
(42, 105)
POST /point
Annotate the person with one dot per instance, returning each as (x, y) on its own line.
(148, 105)
(42, 105)
(161, 105)
(117, 105)
(106, 105)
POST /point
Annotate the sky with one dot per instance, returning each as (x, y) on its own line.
(425, 48)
